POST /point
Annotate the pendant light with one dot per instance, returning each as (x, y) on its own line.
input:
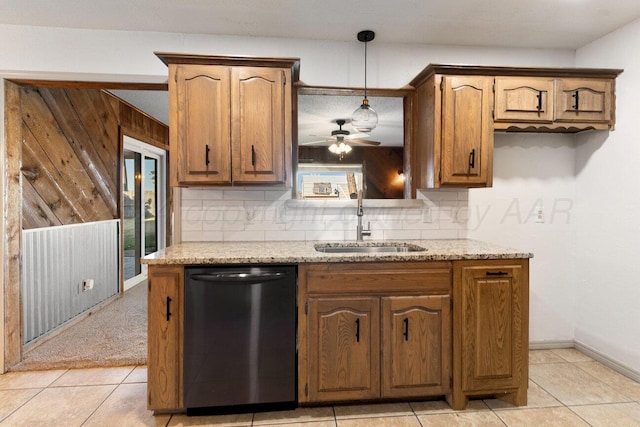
(365, 118)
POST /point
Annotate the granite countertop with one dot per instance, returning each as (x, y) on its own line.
(194, 253)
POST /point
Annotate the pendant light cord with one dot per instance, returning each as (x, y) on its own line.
(365, 69)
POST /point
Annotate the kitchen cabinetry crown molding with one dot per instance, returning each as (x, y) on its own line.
(245, 61)
(480, 70)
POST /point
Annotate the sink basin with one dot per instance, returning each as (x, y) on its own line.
(367, 248)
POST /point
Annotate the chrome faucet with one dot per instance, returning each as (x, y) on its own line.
(360, 231)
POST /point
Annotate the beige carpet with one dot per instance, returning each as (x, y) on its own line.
(114, 335)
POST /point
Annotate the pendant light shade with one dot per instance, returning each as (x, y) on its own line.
(364, 118)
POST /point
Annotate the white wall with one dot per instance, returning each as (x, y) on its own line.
(531, 171)
(528, 168)
(129, 55)
(608, 194)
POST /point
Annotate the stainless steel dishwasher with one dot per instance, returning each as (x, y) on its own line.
(239, 338)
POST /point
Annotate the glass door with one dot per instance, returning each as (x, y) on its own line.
(143, 206)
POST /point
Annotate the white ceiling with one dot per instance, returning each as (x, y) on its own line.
(317, 115)
(516, 23)
(502, 23)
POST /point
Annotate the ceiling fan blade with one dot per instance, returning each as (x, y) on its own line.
(364, 142)
(321, 141)
(359, 135)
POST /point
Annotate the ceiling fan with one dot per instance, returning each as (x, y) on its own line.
(340, 135)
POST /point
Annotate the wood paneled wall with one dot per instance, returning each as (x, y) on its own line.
(62, 166)
(71, 153)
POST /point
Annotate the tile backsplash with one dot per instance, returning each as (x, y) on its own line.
(261, 214)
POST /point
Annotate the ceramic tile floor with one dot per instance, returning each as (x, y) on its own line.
(566, 388)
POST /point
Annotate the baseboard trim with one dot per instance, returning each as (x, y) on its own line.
(551, 345)
(592, 353)
(605, 360)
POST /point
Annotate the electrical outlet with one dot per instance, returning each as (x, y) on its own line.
(87, 285)
(539, 215)
(281, 215)
(250, 214)
(427, 216)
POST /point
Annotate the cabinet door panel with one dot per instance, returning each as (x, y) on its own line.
(493, 300)
(204, 152)
(259, 124)
(583, 100)
(467, 130)
(416, 345)
(164, 384)
(524, 99)
(344, 348)
(494, 313)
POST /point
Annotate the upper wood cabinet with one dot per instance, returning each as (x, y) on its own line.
(200, 107)
(457, 108)
(467, 132)
(560, 104)
(452, 142)
(521, 99)
(584, 100)
(230, 119)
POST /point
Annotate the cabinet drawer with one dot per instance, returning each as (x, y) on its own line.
(376, 278)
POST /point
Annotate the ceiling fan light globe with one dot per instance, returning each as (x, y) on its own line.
(333, 148)
(364, 118)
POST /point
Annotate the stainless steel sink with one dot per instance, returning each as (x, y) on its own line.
(367, 248)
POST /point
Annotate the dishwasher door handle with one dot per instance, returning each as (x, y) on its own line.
(237, 277)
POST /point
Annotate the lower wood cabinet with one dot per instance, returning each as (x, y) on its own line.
(164, 346)
(385, 330)
(491, 330)
(344, 345)
(371, 331)
(416, 338)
